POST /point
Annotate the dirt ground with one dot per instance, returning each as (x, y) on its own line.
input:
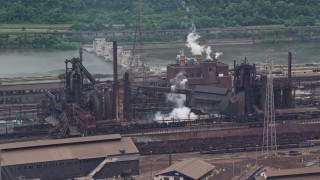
(230, 166)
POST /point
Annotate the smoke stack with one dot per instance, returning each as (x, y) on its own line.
(80, 53)
(115, 79)
(182, 60)
(289, 64)
(115, 61)
(198, 58)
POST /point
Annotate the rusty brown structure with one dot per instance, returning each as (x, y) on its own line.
(203, 72)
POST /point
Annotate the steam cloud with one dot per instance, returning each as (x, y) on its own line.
(217, 54)
(193, 44)
(180, 111)
(208, 52)
(196, 49)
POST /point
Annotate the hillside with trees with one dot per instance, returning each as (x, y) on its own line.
(160, 14)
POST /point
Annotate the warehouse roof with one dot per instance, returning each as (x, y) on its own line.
(54, 142)
(292, 172)
(193, 168)
(64, 149)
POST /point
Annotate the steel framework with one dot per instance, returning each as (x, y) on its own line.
(269, 145)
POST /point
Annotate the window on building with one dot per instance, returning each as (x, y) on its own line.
(176, 178)
(165, 178)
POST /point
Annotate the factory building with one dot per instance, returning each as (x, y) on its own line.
(28, 93)
(94, 157)
(198, 72)
(292, 174)
(188, 169)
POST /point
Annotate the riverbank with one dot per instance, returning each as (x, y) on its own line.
(210, 42)
(60, 38)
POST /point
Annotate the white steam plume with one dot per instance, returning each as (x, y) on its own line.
(180, 111)
(208, 52)
(193, 44)
(217, 54)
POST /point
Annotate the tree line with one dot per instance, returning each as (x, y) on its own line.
(160, 14)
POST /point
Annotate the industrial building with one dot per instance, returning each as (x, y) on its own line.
(103, 156)
(291, 174)
(190, 169)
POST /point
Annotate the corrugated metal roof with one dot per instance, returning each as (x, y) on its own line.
(85, 150)
(193, 168)
(291, 172)
(53, 142)
(211, 90)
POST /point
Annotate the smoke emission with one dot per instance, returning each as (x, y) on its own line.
(217, 54)
(196, 49)
(180, 111)
(193, 44)
(208, 52)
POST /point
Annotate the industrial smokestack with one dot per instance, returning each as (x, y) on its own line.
(80, 53)
(289, 64)
(182, 60)
(115, 80)
(115, 61)
(126, 95)
(199, 59)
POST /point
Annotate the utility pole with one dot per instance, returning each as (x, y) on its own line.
(137, 36)
(269, 128)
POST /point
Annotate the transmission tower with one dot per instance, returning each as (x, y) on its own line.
(269, 145)
(137, 41)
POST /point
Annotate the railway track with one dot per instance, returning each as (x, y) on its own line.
(220, 145)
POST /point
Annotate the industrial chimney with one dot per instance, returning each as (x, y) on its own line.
(182, 60)
(198, 58)
(115, 80)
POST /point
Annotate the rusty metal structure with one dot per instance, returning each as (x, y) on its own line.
(228, 103)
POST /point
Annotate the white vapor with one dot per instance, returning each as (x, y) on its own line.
(217, 54)
(193, 44)
(180, 111)
(208, 52)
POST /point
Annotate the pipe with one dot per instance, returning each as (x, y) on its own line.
(115, 80)
(289, 64)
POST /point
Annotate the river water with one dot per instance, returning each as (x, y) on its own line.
(39, 62)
